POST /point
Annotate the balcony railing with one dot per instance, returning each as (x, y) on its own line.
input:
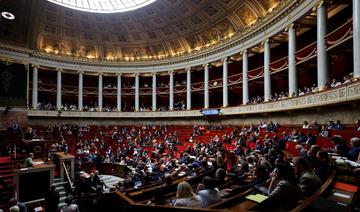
(344, 93)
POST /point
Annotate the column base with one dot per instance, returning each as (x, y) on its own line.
(321, 88)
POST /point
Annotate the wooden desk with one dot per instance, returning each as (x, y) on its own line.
(66, 158)
(32, 183)
(243, 205)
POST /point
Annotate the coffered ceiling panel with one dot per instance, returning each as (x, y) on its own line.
(165, 28)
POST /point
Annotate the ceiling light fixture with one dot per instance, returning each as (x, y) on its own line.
(8, 15)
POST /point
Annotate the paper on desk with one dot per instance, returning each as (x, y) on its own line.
(341, 195)
(38, 163)
(257, 197)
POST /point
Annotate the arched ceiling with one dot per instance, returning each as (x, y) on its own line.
(165, 28)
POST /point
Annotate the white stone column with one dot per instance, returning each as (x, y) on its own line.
(35, 87)
(58, 89)
(206, 85)
(118, 92)
(171, 90)
(100, 92)
(188, 88)
(322, 63)
(267, 72)
(154, 106)
(80, 92)
(356, 37)
(245, 68)
(225, 82)
(137, 92)
(293, 81)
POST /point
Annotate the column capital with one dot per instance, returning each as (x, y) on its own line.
(188, 69)
(205, 65)
(100, 74)
(154, 73)
(59, 70)
(35, 65)
(27, 67)
(137, 74)
(224, 59)
(320, 4)
(118, 74)
(291, 26)
(294, 26)
(80, 72)
(244, 52)
(267, 41)
(171, 72)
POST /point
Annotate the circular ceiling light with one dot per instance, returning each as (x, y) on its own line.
(8, 15)
(103, 6)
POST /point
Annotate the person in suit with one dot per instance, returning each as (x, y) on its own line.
(309, 181)
(283, 191)
(52, 199)
(14, 203)
(209, 195)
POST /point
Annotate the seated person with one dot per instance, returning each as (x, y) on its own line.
(284, 192)
(28, 161)
(322, 168)
(310, 139)
(309, 181)
(339, 125)
(355, 149)
(341, 148)
(13, 202)
(324, 131)
(306, 125)
(209, 194)
(260, 175)
(220, 175)
(185, 197)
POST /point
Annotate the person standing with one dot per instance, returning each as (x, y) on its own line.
(52, 199)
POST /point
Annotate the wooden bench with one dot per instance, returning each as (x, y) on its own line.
(307, 202)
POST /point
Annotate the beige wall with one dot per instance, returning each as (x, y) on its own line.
(347, 113)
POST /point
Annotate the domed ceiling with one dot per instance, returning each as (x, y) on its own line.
(164, 28)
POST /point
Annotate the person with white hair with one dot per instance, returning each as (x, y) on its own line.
(14, 209)
(355, 149)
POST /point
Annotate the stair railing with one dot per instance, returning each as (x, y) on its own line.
(68, 176)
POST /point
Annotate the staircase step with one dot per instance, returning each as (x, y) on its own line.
(61, 205)
(57, 180)
(7, 176)
(5, 172)
(59, 184)
(7, 164)
(6, 167)
(59, 189)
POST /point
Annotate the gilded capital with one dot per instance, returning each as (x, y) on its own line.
(35, 65)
